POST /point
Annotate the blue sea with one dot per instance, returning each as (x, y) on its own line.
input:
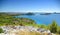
(43, 19)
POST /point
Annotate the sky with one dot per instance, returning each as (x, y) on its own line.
(29, 6)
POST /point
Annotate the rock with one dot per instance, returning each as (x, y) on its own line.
(25, 28)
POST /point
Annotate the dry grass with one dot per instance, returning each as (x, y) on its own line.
(27, 33)
(30, 33)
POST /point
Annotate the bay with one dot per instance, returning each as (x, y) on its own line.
(43, 19)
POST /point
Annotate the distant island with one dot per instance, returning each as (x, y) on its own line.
(28, 13)
(45, 13)
(48, 13)
(56, 13)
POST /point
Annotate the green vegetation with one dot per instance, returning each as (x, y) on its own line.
(7, 19)
(1, 30)
(12, 20)
(53, 27)
(58, 30)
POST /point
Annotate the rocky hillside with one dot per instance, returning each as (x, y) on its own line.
(24, 30)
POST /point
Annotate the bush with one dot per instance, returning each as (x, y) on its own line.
(53, 27)
(1, 30)
(58, 31)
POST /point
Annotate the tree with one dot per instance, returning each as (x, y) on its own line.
(53, 27)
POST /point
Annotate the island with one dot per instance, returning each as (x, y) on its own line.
(45, 13)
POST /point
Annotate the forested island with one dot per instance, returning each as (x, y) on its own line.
(11, 20)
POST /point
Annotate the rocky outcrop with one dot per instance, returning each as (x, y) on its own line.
(29, 29)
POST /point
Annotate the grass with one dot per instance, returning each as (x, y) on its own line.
(31, 33)
(27, 33)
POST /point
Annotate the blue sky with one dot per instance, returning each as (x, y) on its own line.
(29, 6)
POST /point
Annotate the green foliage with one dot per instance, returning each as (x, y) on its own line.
(58, 30)
(42, 26)
(1, 30)
(12, 20)
(53, 27)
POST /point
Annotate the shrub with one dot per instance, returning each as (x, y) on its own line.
(1, 30)
(53, 27)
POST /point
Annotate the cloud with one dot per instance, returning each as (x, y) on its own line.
(38, 10)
